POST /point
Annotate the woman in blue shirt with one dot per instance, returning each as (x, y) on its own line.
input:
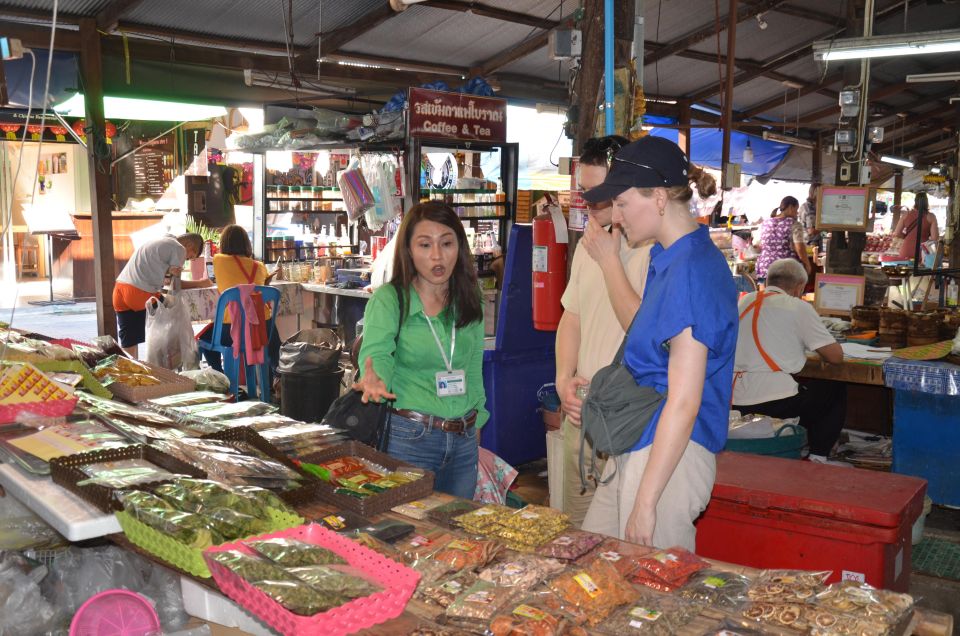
(682, 343)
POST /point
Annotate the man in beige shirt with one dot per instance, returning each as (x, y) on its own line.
(601, 298)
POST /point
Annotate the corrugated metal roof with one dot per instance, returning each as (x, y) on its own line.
(425, 34)
(75, 7)
(250, 19)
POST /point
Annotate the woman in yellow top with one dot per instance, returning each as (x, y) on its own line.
(233, 266)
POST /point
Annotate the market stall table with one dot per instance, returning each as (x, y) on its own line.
(924, 623)
(72, 517)
(337, 307)
(850, 371)
(202, 301)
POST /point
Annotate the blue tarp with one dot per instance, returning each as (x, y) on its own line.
(63, 78)
(706, 147)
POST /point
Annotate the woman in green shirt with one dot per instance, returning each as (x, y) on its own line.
(433, 366)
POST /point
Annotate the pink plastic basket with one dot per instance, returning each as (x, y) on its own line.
(398, 581)
(115, 613)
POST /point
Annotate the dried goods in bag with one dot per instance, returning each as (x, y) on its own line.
(523, 571)
(468, 553)
(123, 473)
(623, 556)
(595, 590)
(571, 545)
(231, 524)
(673, 566)
(445, 513)
(656, 614)
(797, 586)
(293, 553)
(423, 544)
(480, 602)
(336, 581)
(445, 591)
(865, 602)
(527, 620)
(717, 588)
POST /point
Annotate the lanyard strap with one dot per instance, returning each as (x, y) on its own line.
(453, 343)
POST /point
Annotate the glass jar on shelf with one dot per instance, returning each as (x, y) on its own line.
(295, 196)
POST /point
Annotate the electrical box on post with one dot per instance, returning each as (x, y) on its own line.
(731, 176)
(565, 44)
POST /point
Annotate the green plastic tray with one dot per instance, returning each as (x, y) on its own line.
(179, 555)
(787, 446)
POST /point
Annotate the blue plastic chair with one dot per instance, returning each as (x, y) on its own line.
(231, 365)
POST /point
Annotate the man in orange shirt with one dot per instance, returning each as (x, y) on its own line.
(144, 276)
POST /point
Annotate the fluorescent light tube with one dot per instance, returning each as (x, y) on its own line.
(933, 77)
(142, 109)
(897, 161)
(786, 139)
(887, 46)
(253, 77)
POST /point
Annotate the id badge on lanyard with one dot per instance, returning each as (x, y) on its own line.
(452, 381)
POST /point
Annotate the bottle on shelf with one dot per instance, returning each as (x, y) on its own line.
(953, 293)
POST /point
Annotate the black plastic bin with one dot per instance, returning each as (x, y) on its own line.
(307, 396)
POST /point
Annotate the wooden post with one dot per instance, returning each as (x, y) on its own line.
(728, 93)
(591, 71)
(816, 173)
(101, 205)
(684, 131)
(897, 196)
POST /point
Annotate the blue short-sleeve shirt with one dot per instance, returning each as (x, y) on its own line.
(688, 285)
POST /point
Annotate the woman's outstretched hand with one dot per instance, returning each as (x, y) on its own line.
(372, 387)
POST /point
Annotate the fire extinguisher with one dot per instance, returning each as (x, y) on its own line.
(549, 271)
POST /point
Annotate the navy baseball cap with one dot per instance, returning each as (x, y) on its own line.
(651, 162)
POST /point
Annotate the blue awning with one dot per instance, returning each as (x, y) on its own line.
(706, 147)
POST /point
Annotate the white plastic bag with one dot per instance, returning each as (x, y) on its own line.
(170, 341)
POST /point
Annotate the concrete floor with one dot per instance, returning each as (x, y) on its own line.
(935, 592)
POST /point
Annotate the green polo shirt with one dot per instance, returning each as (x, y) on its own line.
(408, 365)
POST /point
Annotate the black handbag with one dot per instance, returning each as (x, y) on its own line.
(366, 423)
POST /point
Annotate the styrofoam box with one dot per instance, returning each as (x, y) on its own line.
(555, 468)
(204, 603)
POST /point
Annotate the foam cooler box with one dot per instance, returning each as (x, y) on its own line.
(768, 512)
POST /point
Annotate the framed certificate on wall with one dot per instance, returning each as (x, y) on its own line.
(843, 208)
(838, 294)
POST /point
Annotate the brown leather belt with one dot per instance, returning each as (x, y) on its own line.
(459, 425)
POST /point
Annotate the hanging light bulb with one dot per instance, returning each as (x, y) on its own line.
(748, 153)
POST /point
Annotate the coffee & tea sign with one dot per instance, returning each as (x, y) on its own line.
(440, 115)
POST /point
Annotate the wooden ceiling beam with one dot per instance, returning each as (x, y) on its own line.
(35, 36)
(915, 139)
(109, 16)
(41, 17)
(744, 12)
(486, 11)
(925, 150)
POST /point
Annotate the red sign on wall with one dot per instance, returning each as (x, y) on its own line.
(441, 115)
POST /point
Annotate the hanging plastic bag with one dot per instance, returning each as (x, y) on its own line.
(357, 197)
(381, 176)
(170, 341)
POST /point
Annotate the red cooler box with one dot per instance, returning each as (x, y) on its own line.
(768, 512)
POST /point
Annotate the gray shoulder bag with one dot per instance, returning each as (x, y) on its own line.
(614, 415)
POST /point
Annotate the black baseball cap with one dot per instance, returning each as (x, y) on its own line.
(651, 162)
